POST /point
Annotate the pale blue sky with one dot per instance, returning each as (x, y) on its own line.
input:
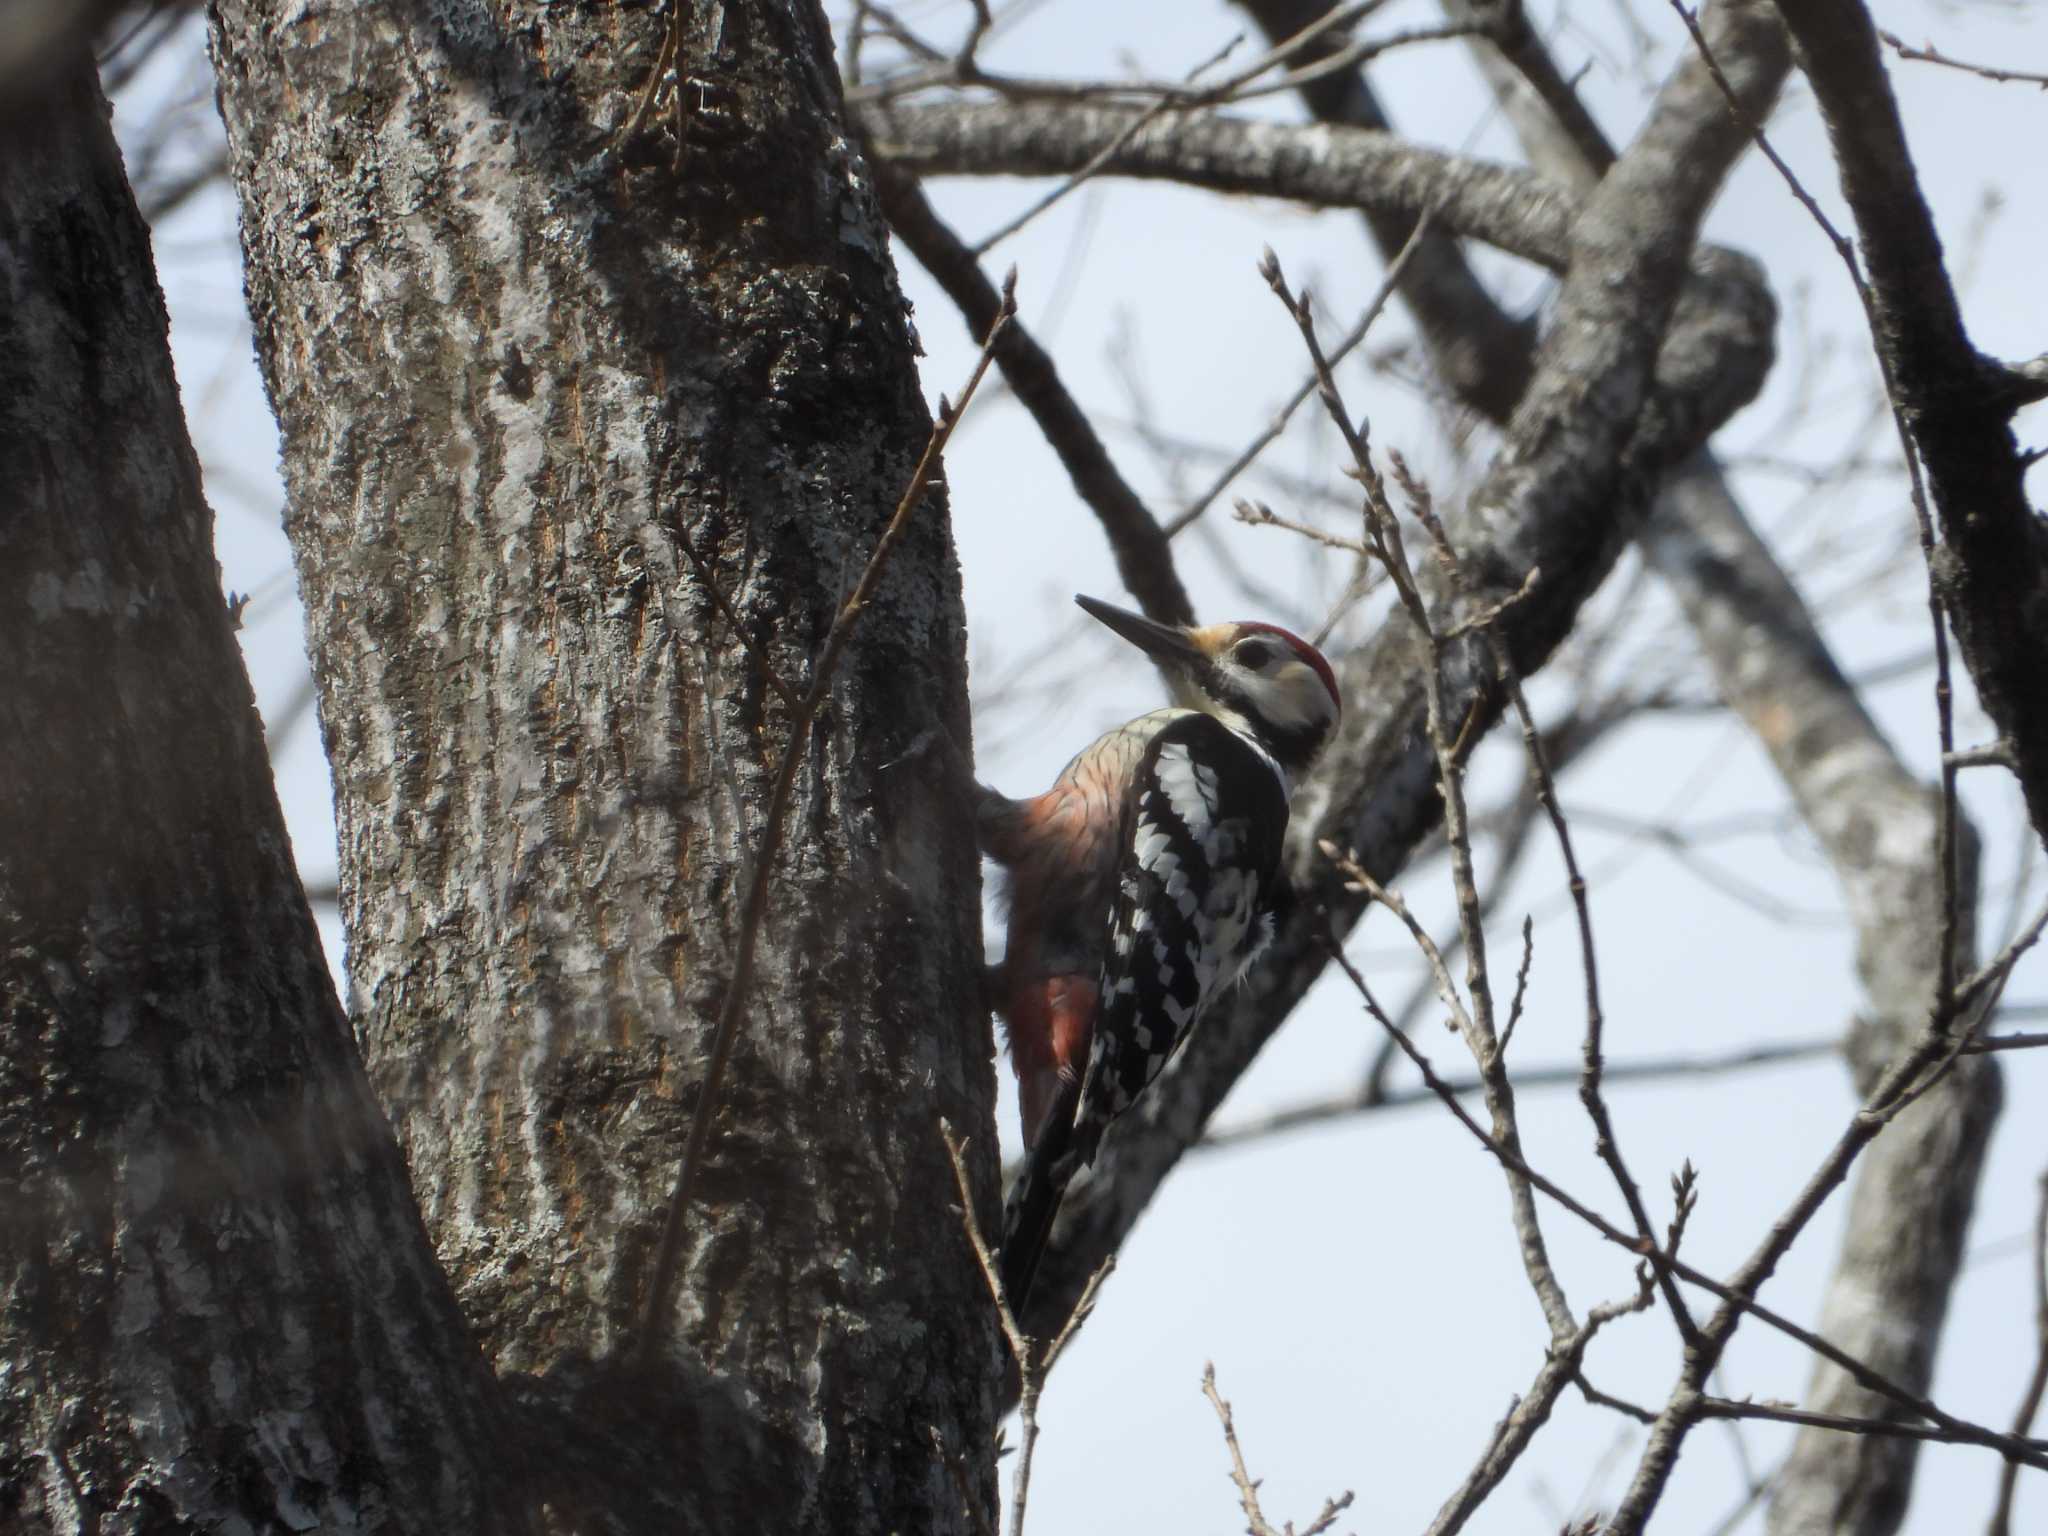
(1357, 1285)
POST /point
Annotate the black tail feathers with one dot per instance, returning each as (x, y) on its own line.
(1035, 1198)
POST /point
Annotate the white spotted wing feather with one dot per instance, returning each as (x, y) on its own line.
(1203, 829)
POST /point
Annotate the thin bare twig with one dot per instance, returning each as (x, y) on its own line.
(1608, 1400)
(1144, 560)
(1974, 1001)
(1944, 694)
(1563, 1365)
(1606, 1143)
(984, 1255)
(709, 581)
(1521, 984)
(1993, 754)
(1256, 1523)
(1476, 1024)
(755, 906)
(1566, 1356)
(1657, 1069)
(1999, 967)
(1929, 55)
(1479, 619)
(1787, 1413)
(1097, 161)
(1685, 1196)
(1033, 1366)
(975, 33)
(1247, 1489)
(1510, 827)
(1258, 515)
(1030, 1380)
(1737, 1297)
(964, 70)
(2037, 1384)
(888, 24)
(1077, 1317)
(1384, 534)
(957, 1469)
(1390, 280)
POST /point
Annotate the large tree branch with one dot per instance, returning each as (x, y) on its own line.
(1481, 353)
(218, 1308)
(1144, 559)
(1993, 565)
(1625, 387)
(1323, 164)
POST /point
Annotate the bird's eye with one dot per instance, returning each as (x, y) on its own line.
(1253, 655)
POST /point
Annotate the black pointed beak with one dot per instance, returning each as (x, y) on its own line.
(1166, 645)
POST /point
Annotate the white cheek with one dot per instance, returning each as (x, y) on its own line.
(1287, 701)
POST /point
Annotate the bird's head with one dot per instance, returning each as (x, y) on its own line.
(1259, 679)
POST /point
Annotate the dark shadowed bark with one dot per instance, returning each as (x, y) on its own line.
(519, 360)
(41, 42)
(218, 1310)
(1957, 403)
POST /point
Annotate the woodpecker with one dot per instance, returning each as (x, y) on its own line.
(1140, 886)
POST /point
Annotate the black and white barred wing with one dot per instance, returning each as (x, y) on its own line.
(1202, 831)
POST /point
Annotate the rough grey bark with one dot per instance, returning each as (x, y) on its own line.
(518, 363)
(1654, 346)
(218, 1309)
(1317, 163)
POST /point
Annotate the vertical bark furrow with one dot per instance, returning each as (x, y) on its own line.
(217, 1306)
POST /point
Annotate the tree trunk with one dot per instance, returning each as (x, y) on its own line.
(218, 1309)
(521, 354)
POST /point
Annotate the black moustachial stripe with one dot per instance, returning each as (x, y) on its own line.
(1294, 746)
